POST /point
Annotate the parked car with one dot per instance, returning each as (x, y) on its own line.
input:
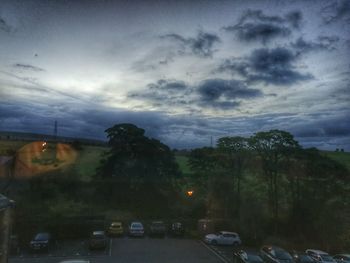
(342, 258)
(98, 240)
(223, 238)
(41, 242)
(75, 261)
(320, 256)
(116, 229)
(301, 257)
(176, 229)
(157, 228)
(274, 254)
(136, 229)
(247, 256)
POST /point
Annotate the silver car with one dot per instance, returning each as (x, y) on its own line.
(223, 238)
(320, 256)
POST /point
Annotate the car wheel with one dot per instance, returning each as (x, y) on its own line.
(214, 242)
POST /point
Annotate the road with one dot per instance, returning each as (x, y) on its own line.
(143, 250)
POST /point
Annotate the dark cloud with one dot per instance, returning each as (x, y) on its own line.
(324, 130)
(258, 32)
(169, 85)
(202, 45)
(254, 25)
(336, 11)
(4, 26)
(294, 18)
(322, 43)
(270, 66)
(333, 126)
(210, 93)
(220, 90)
(164, 92)
(27, 67)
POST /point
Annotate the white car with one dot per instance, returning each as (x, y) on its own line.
(320, 256)
(223, 238)
(136, 229)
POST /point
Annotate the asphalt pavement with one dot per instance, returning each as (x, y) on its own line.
(134, 250)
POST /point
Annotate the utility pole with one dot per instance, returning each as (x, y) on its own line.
(211, 141)
(55, 131)
(55, 142)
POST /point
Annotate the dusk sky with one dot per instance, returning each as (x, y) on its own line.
(182, 70)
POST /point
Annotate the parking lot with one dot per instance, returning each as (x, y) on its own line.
(129, 250)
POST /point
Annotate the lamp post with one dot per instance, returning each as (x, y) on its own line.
(189, 193)
(5, 226)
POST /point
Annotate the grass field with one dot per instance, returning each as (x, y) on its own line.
(182, 161)
(341, 157)
(5, 146)
(84, 163)
(89, 158)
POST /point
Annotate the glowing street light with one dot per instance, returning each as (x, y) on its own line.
(190, 193)
(44, 144)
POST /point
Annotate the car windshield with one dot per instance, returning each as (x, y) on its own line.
(177, 128)
(98, 236)
(326, 257)
(254, 259)
(41, 237)
(281, 254)
(305, 259)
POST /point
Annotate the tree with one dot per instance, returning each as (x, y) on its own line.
(136, 166)
(273, 148)
(236, 154)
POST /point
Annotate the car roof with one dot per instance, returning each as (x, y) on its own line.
(96, 233)
(157, 222)
(320, 252)
(43, 234)
(116, 223)
(228, 232)
(250, 251)
(75, 261)
(274, 247)
(136, 222)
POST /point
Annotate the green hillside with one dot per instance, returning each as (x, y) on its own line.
(341, 157)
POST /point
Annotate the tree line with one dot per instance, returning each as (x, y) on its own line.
(263, 186)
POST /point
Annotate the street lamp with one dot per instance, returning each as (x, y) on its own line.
(189, 193)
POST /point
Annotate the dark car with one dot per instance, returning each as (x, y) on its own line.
(157, 228)
(301, 257)
(274, 254)
(98, 240)
(176, 229)
(41, 242)
(247, 256)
